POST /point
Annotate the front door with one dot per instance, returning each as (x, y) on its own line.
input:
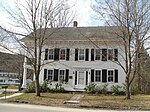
(80, 79)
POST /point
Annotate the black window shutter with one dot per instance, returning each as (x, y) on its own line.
(104, 54)
(87, 55)
(76, 54)
(92, 54)
(67, 54)
(104, 75)
(116, 75)
(67, 75)
(75, 78)
(115, 54)
(46, 54)
(86, 82)
(45, 74)
(56, 54)
(55, 74)
(92, 75)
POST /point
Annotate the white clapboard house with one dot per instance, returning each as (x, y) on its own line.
(81, 55)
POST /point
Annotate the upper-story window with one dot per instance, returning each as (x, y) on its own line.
(62, 54)
(51, 54)
(57, 54)
(110, 54)
(97, 54)
(104, 54)
(81, 54)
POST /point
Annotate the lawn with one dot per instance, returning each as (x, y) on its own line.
(137, 102)
(52, 99)
(7, 94)
(105, 101)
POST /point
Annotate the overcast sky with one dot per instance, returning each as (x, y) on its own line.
(84, 13)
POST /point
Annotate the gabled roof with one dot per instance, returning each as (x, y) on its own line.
(77, 33)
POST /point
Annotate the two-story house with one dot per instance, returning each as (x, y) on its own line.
(81, 55)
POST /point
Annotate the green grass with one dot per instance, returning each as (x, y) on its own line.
(104, 101)
(140, 101)
(45, 98)
(7, 94)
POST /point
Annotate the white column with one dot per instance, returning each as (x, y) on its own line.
(24, 73)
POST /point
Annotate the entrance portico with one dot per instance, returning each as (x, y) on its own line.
(81, 77)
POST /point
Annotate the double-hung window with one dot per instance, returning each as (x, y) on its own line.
(97, 54)
(110, 76)
(81, 54)
(50, 75)
(61, 75)
(110, 54)
(97, 75)
(51, 54)
(62, 54)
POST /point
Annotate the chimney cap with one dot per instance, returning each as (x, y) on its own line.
(75, 23)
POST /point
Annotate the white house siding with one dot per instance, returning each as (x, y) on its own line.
(73, 65)
(8, 78)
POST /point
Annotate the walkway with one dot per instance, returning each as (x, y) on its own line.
(10, 96)
(75, 99)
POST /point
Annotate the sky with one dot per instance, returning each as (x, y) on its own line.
(84, 14)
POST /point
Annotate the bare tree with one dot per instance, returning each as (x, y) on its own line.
(35, 17)
(132, 18)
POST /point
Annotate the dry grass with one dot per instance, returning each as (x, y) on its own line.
(140, 101)
(52, 99)
(102, 101)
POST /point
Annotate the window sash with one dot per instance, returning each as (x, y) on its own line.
(110, 54)
(61, 75)
(81, 54)
(97, 76)
(97, 54)
(110, 76)
(51, 54)
(50, 75)
(62, 54)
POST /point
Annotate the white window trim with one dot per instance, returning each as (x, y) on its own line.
(95, 75)
(82, 54)
(52, 74)
(95, 54)
(49, 53)
(59, 74)
(113, 75)
(112, 54)
(60, 53)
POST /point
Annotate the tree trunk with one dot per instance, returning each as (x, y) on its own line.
(127, 88)
(37, 85)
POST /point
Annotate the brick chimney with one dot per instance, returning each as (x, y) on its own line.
(75, 24)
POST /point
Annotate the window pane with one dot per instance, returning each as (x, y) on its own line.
(110, 54)
(97, 75)
(81, 54)
(61, 75)
(104, 54)
(51, 51)
(50, 74)
(110, 76)
(97, 56)
(62, 54)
